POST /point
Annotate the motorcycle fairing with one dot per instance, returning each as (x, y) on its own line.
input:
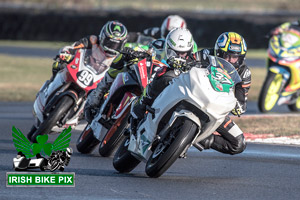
(58, 85)
(214, 104)
(142, 71)
(43, 96)
(116, 95)
(125, 103)
(123, 81)
(284, 55)
(83, 73)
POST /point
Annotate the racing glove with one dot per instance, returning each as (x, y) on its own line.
(177, 63)
(65, 54)
(131, 54)
(238, 110)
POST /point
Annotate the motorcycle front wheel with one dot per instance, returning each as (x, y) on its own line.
(114, 136)
(180, 135)
(55, 115)
(270, 92)
(124, 161)
(87, 142)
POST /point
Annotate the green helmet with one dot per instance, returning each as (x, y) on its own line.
(113, 37)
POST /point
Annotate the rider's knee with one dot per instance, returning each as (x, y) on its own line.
(239, 146)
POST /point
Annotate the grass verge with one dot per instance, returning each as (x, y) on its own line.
(21, 77)
(36, 44)
(277, 125)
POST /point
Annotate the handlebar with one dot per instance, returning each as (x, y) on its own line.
(136, 54)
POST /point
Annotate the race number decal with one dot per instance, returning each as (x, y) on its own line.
(85, 77)
(222, 79)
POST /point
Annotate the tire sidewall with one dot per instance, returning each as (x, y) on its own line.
(263, 93)
(63, 106)
(184, 137)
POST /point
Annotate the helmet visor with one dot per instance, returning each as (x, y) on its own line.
(173, 53)
(233, 58)
(112, 46)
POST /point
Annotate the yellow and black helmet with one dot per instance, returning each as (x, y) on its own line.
(231, 44)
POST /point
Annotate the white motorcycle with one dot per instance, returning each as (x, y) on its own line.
(189, 110)
(61, 102)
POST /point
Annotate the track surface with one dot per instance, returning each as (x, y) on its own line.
(261, 172)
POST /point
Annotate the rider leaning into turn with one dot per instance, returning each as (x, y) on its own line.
(118, 65)
(106, 46)
(178, 50)
(232, 47)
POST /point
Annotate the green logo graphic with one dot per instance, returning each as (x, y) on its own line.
(117, 27)
(23, 145)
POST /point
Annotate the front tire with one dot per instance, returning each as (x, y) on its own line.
(87, 142)
(114, 136)
(31, 132)
(270, 92)
(180, 135)
(124, 161)
(60, 109)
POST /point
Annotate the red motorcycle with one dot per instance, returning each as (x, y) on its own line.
(60, 103)
(108, 127)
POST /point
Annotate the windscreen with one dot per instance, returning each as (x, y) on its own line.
(94, 59)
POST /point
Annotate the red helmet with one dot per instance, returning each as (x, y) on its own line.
(171, 22)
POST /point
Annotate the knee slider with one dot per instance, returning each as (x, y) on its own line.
(240, 145)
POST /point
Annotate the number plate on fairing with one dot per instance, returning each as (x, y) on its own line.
(85, 77)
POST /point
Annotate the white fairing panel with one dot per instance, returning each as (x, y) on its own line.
(43, 95)
(193, 87)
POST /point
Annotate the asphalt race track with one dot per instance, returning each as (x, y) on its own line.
(261, 172)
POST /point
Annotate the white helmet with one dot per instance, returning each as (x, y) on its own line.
(179, 43)
(171, 22)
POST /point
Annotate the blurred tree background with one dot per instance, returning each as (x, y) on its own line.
(69, 20)
(186, 5)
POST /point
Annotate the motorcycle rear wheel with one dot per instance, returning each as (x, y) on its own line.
(180, 135)
(124, 161)
(61, 108)
(270, 92)
(114, 136)
(87, 142)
